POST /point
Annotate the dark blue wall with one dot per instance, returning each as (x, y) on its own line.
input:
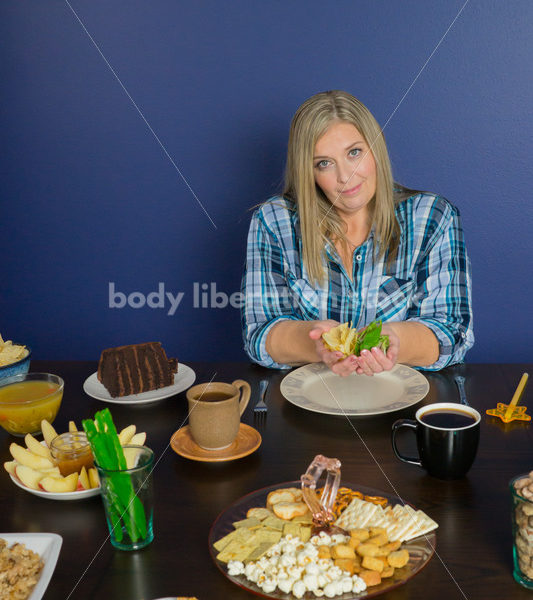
(88, 195)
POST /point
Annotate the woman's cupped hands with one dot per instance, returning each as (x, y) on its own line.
(368, 363)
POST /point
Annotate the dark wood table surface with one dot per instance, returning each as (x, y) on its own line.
(474, 552)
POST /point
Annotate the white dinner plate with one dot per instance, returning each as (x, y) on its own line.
(183, 380)
(316, 388)
(47, 545)
(78, 495)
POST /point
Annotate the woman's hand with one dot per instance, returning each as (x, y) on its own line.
(334, 360)
(377, 361)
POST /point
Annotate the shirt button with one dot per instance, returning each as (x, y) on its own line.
(463, 335)
(358, 257)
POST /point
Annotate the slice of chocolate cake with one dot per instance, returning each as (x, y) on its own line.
(135, 369)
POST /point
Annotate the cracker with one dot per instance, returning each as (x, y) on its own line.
(358, 514)
(289, 510)
(249, 522)
(259, 551)
(267, 535)
(260, 513)
(305, 534)
(307, 518)
(236, 534)
(236, 550)
(282, 495)
(274, 523)
(291, 529)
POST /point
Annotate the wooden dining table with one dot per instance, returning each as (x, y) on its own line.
(473, 557)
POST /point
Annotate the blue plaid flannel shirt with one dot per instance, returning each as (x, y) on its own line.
(429, 281)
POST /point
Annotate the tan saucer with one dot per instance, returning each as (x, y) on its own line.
(247, 441)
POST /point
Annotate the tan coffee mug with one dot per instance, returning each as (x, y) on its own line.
(215, 411)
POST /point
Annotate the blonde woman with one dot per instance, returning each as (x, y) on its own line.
(345, 243)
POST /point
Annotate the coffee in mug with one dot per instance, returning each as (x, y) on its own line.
(447, 436)
(215, 411)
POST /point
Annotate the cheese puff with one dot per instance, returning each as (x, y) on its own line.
(342, 551)
(386, 549)
(398, 559)
(365, 549)
(379, 539)
(360, 534)
(388, 571)
(370, 577)
(346, 564)
(353, 542)
(372, 564)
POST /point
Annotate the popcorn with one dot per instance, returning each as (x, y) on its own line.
(287, 560)
(294, 568)
(332, 589)
(235, 567)
(312, 569)
(339, 538)
(285, 585)
(358, 583)
(298, 589)
(346, 584)
(310, 581)
(269, 585)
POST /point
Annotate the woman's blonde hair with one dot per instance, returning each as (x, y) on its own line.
(318, 222)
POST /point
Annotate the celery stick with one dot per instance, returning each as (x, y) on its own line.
(103, 437)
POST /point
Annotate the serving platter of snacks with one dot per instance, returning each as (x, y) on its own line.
(316, 388)
(266, 542)
(35, 470)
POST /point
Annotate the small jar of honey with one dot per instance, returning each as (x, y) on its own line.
(72, 451)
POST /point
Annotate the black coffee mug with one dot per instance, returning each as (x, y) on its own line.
(447, 436)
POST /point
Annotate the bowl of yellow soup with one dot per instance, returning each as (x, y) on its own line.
(27, 399)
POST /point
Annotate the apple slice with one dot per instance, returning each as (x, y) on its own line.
(10, 466)
(72, 427)
(138, 439)
(29, 477)
(36, 447)
(53, 472)
(49, 432)
(94, 480)
(25, 457)
(83, 479)
(126, 434)
(131, 457)
(60, 484)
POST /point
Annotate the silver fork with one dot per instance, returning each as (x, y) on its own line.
(260, 408)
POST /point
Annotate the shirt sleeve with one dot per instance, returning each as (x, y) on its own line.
(265, 292)
(443, 300)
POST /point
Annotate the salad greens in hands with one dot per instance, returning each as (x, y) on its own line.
(350, 341)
